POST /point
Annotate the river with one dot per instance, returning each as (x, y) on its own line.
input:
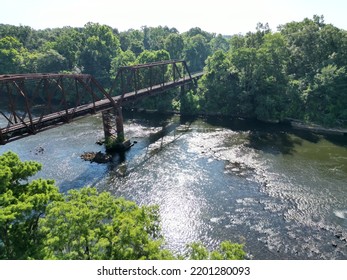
(281, 192)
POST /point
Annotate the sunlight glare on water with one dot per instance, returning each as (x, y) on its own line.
(282, 193)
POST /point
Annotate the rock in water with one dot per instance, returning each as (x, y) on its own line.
(98, 157)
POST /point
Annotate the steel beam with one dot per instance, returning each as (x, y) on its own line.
(67, 96)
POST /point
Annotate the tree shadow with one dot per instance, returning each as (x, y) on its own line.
(280, 138)
(267, 137)
(90, 177)
(273, 142)
(339, 140)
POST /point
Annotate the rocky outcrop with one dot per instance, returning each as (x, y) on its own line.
(98, 157)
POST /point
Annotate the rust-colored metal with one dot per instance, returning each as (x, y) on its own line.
(107, 123)
(113, 123)
(30, 103)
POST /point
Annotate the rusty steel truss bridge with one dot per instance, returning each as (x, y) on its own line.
(31, 103)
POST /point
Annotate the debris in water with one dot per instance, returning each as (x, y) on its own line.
(98, 157)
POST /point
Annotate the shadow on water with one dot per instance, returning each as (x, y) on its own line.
(279, 138)
(273, 138)
(339, 140)
(305, 135)
(87, 178)
(269, 138)
(168, 128)
(274, 143)
(119, 165)
(95, 174)
(148, 118)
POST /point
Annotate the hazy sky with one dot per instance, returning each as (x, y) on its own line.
(219, 16)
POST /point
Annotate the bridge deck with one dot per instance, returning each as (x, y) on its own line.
(44, 122)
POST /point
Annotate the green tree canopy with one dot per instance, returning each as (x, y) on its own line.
(100, 47)
(51, 61)
(88, 225)
(132, 40)
(22, 204)
(196, 52)
(69, 44)
(122, 59)
(11, 55)
(174, 44)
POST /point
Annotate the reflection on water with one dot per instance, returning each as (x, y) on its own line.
(281, 192)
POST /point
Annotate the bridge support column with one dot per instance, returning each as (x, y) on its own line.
(119, 124)
(113, 123)
(182, 90)
(2, 141)
(107, 123)
(183, 101)
(114, 130)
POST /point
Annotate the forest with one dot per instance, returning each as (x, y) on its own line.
(297, 71)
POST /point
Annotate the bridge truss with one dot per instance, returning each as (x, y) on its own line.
(30, 103)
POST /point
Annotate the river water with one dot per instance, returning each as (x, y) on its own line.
(281, 192)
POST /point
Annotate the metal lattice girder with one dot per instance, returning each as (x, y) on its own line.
(136, 77)
(30, 103)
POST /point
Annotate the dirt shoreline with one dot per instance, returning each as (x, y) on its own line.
(300, 125)
(293, 123)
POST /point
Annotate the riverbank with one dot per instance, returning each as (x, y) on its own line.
(293, 123)
(300, 125)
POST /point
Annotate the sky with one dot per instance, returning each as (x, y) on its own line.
(225, 17)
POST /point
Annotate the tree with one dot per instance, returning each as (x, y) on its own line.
(219, 43)
(69, 44)
(219, 85)
(88, 225)
(152, 56)
(326, 99)
(122, 59)
(317, 65)
(22, 204)
(272, 78)
(154, 37)
(196, 52)
(24, 34)
(50, 62)
(198, 31)
(237, 42)
(155, 75)
(174, 44)
(132, 40)
(100, 47)
(11, 58)
(226, 251)
(244, 61)
(307, 48)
